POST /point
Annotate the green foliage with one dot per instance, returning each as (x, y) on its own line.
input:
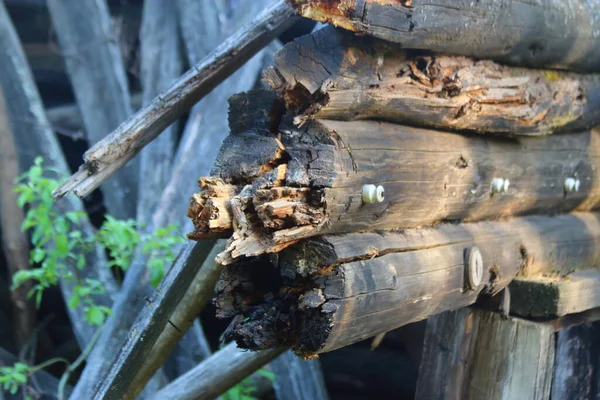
(59, 247)
(13, 377)
(245, 389)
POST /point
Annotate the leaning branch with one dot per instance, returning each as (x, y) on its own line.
(109, 155)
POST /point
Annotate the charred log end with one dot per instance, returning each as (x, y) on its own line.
(209, 210)
(336, 12)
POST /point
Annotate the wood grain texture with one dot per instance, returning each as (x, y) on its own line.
(550, 33)
(106, 157)
(95, 65)
(545, 297)
(472, 354)
(331, 74)
(335, 290)
(36, 140)
(428, 177)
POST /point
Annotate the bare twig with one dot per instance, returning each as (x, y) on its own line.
(109, 155)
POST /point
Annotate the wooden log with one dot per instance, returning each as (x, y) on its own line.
(309, 181)
(332, 291)
(117, 382)
(15, 242)
(220, 372)
(97, 74)
(555, 296)
(332, 74)
(298, 379)
(551, 33)
(473, 354)
(113, 152)
(36, 140)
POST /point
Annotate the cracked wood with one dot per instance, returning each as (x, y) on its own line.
(550, 33)
(331, 74)
(328, 292)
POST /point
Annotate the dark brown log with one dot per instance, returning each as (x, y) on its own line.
(33, 140)
(473, 354)
(113, 152)
(15, 242)
(99, 81)
(332, 291)
(309, 181)
(550, 33)
(332, 74)
(555, 296)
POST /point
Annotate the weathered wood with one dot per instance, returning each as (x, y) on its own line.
(472, 354)
(577, 363)
(116, 384)
(15, 242)
(555, 296)
(293, 375)
(109, 155)
(332, 74)
(213, 377)
(332, 291)
(428, 177)
(36, 140)
(99, 81)
(550, 33)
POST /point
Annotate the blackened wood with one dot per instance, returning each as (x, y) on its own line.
(33, 140)
(218, 373)
(93, 59)
(335, 290)
(555, 296)
(150, 324)
(109, 155)
(473, 354)
(332, 74)
(549, 33)
(428, 177)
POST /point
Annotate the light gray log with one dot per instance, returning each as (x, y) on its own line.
(550, 33)
(95, 67)
(36, 140)
(108, 156)
(298, 379)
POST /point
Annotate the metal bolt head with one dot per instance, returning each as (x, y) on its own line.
(499, 185)
(373, 194)
(473, 267)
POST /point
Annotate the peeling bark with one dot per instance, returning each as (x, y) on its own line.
(328, 292)
(334, 75)
(308, 181)
(551, 33)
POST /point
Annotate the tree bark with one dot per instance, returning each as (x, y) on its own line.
(332, 291)
(109, 155)
(36, 140)
(332, 74)
(95, 66)
(14, 242)
(548, 33)
(274, 190)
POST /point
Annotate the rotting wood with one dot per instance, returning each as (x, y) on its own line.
(218, 373)
(308, 181)
(550, 33)
(97, 73)
(473, 354)
(332, 74)
(332, 291)
(113, 152)
(118, 380)
(555, 296)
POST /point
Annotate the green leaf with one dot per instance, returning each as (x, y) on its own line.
(95, 316)
(37, 255)
(74, 301)
(267, 374)
(62, 245)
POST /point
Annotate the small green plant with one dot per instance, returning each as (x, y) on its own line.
(13, 377)
(245, 389)
(59, 247)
